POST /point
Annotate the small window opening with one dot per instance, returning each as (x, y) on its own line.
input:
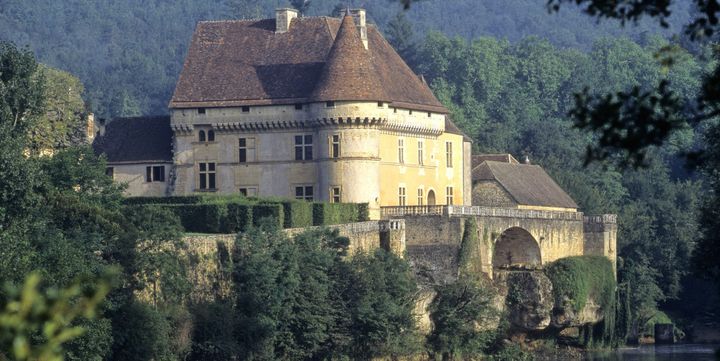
(330, 104)
(381, 104)
(298, 106)
(201, 110)
(201, 135)
(211, 136)
(245, 109)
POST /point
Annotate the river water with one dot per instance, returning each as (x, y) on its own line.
(688, 352)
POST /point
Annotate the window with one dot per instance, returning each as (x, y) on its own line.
(381, 104)
(401, 151)
(303, 147)
(246, 150)
(298, 106)
(207, 176)
(110, 172)
(304, 192)
(449, 195)
(211, 136)
(410, 112)
(448, 154)
(155, 173)
(249, 191)
(394, 110)
(245, 109)
(420, 196)
(330, 104)
(201, 136)
(429, 114)
(335, 146)
(335, 194)
(420, 152)
(401, 196)
(201, 110)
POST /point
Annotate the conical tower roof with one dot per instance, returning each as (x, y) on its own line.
(349, 73)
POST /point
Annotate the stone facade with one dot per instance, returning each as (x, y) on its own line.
(134, 176)
(491, 194)
(367, 151)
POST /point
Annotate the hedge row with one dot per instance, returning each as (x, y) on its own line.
(219, 214)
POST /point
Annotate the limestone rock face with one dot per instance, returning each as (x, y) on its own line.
(529, 301)
(564, 314)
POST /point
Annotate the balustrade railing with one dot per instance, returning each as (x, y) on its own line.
(450, 211)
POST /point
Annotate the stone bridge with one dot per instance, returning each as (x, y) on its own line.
(508, 236)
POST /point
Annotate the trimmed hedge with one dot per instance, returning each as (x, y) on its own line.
(273, 211)
(163, 200)
(325, 214)
(297, 214)
(234, 213)
(202, 218)
(239, 217)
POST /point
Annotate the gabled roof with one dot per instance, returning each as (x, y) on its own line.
(245, 62)
(349, 72)
(451, 128)
(527, 184)
(135, 140)
(477, 159)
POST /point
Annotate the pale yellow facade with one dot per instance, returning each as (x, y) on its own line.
(364, 152)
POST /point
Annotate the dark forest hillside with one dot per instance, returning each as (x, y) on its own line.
(129, 53)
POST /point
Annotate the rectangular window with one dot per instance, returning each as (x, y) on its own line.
(420, 152)
(410, 112)
(155, 174)
(245, 109)
(401, 151)
(449, 195)
(330, 104)
(335, 195)
(201, 110)
(401, 196)
(381, 104)
(304, 193)
(394, 110)
(298, 106)
(429, 114)
(335, 146)
(207, 176)
(448, 154)
(246, 150)
(249, 191)
(303, 147)
(110, 172)
(420, 196)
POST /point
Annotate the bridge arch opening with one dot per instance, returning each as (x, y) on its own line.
(516, 247)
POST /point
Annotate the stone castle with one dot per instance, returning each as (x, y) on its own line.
(324, 109)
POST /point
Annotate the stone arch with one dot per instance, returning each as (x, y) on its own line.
(431, 198)
(516, 246)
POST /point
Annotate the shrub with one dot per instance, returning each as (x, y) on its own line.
(363, 212)
(335, 213)
(578, 278)
(163, 200)
(297, 213)
(239, 218)
(272, 210)
(202, 218)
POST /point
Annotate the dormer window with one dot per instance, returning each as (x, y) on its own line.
(201, 110)
(245, 109)
(330, 104)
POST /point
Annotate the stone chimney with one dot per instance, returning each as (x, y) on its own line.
(283, 18)
(360, 21)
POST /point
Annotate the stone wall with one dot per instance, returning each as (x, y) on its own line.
(210, 258)
(601, 236)
(491, 194)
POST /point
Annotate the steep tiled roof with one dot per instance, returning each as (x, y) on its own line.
(141, 139)
(233, 63)
(451, 128)
(528, 184)
(349, 72)
(477, 159)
